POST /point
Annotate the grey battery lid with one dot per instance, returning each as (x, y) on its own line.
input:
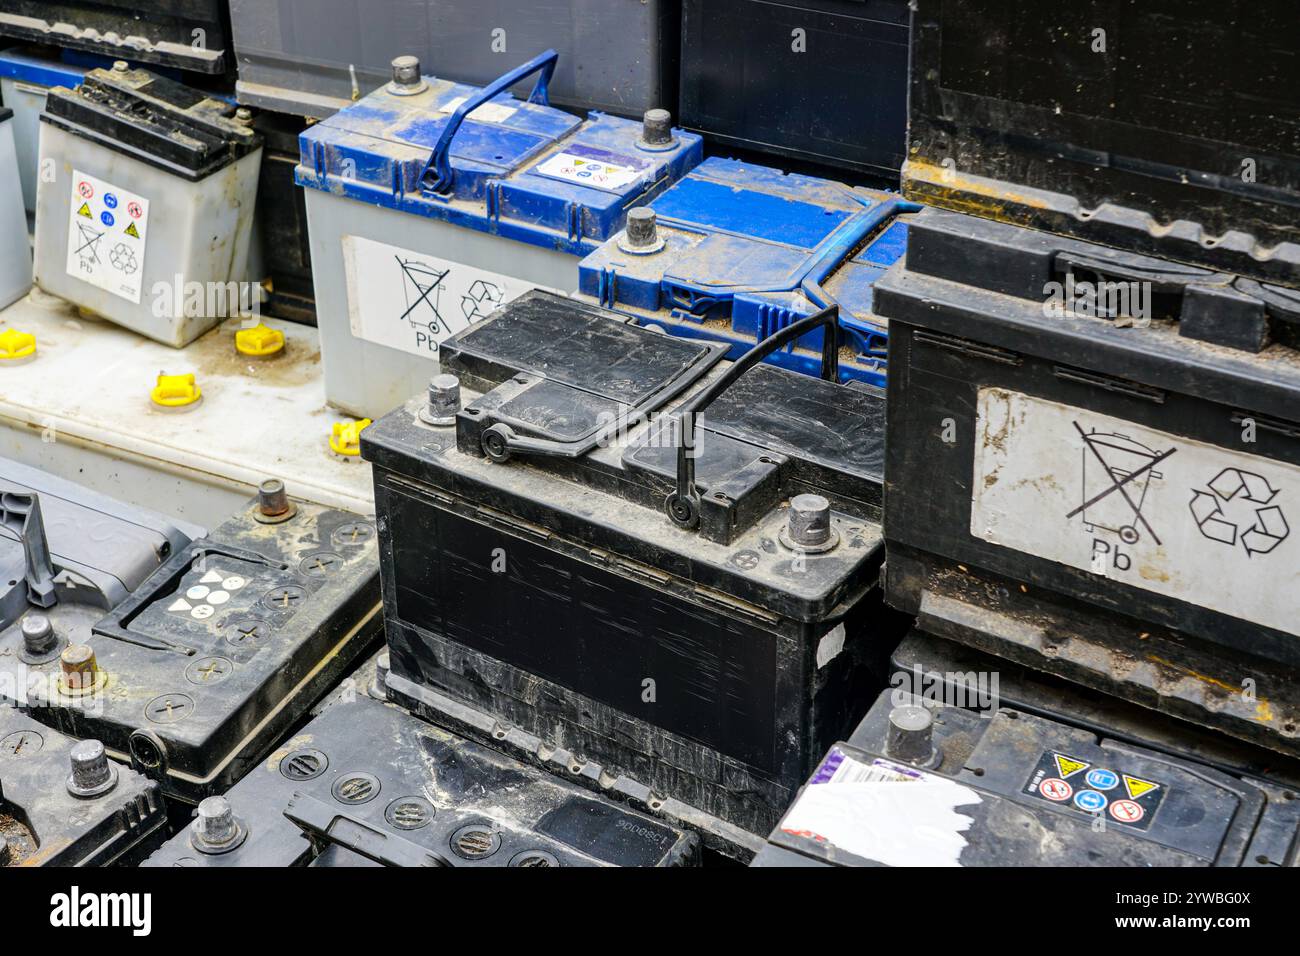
(153, 119)
(94, 541)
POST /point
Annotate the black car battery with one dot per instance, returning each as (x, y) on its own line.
(196, 674)
(194, 35)
(1165, 128)
(367, 783)
(820, 80)
(64, 803)
(690, 611)
(1094, 468)
(922, 783)
(281, 220)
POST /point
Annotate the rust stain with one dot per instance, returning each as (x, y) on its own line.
(1263, 710)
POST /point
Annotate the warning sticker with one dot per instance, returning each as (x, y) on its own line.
(1153, 510)
(107, 231)
(588, 166)
(1068, 766)
(1091, 793)
(413, 301)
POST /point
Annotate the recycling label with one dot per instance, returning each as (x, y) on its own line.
(1208, 525)
(413, 301)
(1085, 786)
(107, 231)
(589, 166)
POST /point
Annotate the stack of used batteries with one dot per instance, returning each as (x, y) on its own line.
(1092, 480)
(682, 511)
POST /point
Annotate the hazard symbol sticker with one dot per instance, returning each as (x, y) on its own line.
(1133, 803)
(103, 248)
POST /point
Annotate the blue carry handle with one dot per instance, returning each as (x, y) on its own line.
(440, 161)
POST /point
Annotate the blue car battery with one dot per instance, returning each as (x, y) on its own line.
(27, 74)
(735, 252)
(430, 203)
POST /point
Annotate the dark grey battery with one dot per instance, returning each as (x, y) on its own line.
(190, 36)
(367, 783)
(64, 803)
(315, 57)
(281, 220)
(820, 80)
(195, 675)
(550, 560)
(1094, 468)
(961, 676)
(922, 784)
(1128, 124)
(68, 555)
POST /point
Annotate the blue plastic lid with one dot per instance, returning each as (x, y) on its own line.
(479, 157)
(747, 250)
(31, 66)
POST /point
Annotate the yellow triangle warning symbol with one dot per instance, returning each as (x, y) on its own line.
(1136, 787)
(131, 230)
(1066, 766)
(85, 211)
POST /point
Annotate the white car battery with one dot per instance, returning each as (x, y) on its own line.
(15, 253)
(153, 187)
(431, 203)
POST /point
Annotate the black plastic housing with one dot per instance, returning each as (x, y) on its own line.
(821, 80)
(1168, 128)
(218, 652)
(997, 766)
(193, 35)
(1001, 518)
(553, 592)
(365, 783)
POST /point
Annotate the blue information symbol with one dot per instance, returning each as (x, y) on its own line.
(1103, 779)
(106, 218)
(110, 200)
(1090, 800)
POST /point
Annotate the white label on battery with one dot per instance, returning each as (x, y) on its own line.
(107, 230)
(414, 302)
(1178, 517)
(860, 808)
(487, 113)
(587, 166)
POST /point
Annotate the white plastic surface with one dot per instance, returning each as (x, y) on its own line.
(362, 376)
(15, 253)
(81, 409)
(27, 100)
(197, 230)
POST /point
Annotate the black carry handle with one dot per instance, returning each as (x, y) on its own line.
(683, 505)
(326, 825)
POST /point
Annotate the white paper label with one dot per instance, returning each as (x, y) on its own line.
(883, 811)
(107, 231)
(414, 302)
(1179, 517)
(487, 113)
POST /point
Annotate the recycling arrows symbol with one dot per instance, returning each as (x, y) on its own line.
(1269, 527)
(481, 301)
